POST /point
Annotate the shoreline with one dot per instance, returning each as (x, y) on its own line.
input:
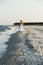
(20, 51)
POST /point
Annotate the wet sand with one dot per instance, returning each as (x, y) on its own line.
(21, 51)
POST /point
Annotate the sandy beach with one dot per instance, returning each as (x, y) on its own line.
(23, 49)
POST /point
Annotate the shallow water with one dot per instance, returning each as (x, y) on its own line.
(35, 34)
(28, 47)
(4, 37)
(36, 37)
(31, 46)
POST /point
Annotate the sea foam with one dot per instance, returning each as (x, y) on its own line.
(4, 37)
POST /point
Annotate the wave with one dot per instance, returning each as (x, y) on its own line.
(4, 37)
(34, 35)
(4, 27)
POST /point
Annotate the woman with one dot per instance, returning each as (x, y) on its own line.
(21, 27)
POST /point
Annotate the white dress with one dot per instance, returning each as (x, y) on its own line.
(21, 28)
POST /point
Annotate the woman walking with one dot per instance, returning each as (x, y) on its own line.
(21, 27)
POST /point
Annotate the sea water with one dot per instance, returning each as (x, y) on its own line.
(35, 34)
(5, 32)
